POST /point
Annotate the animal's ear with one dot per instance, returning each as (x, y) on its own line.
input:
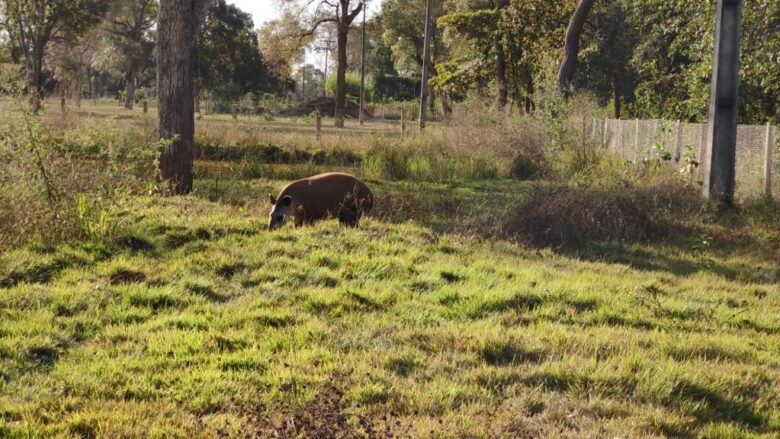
(287, 200)
(273, 200)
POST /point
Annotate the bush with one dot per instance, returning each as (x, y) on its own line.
(65, 184)
(425, 159)
(352, 80)
(565, 217)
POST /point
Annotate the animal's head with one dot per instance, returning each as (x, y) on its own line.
(280, 211)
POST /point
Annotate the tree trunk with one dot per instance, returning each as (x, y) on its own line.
(34, 62)
(616, 96)
(446, 104)
(78, 91)
(341, 84)
(90, 88)
(500, 62)
(571, 48)
(130, 88)
(529, 93)
(178, 21)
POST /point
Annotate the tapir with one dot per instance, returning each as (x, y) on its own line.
(323, 196)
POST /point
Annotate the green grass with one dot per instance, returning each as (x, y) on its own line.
(196, 321)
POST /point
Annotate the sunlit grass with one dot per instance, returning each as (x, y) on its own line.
(204, 317)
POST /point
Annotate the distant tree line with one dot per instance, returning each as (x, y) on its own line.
(106, 48)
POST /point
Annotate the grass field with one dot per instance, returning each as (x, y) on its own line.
(433, 319)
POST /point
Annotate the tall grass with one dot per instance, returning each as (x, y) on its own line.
(69, 182)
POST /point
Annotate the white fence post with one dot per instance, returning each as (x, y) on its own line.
(678, 142)
(768, 160)
(636, 140)
(619, 143)
(604, 132)
(702, 148)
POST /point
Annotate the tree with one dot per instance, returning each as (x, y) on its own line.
(608, 43)
(229, 62)
(404, 28)
(127, 23)
(34, 23)
(571, 47)
(341, 13)
(282, 43)
(178, 21)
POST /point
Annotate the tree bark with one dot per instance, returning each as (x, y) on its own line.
(178, 21)
(34, 61)
(500, 61)
(616, 96)
(130, 87)
(343, 22)
(571, 48)
(341, 71)
(529, 93)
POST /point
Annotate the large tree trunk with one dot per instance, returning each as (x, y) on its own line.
(34, 61)
(177, 24)
(500, 62)
(130, 88)
(571, 48)
(341, 84)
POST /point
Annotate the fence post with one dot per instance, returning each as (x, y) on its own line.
(636, 140)
(678, 142)
(593, 133)
(702, 148)
(318, 124)
(619, 144)
(582, 134)
(403, 123)
(656, 126)
(768, 160)
(604, 132)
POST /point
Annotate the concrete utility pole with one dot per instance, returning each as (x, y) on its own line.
(722, 131)
(327, 48)
(425, 66)
(363, 66)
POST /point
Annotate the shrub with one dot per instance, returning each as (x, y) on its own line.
(566, 217)
(70, 183)
(352, 80)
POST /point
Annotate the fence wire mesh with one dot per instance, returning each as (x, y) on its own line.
(757, 155)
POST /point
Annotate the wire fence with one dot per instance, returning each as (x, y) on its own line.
(757, 155)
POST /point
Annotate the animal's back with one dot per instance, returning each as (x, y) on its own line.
(325, 194)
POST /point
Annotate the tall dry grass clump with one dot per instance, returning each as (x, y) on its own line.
(66, 183)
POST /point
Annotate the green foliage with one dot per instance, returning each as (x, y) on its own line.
(230, 64)
(352, 80)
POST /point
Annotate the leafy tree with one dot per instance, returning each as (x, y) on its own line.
(282, 44)
(608, 43)
(311, 81)
(34, 23)
(229, 62)
(342, 14)
(571, 47)
(404, 29)
(127, 26)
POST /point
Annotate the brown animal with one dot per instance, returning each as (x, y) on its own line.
(329, 195)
